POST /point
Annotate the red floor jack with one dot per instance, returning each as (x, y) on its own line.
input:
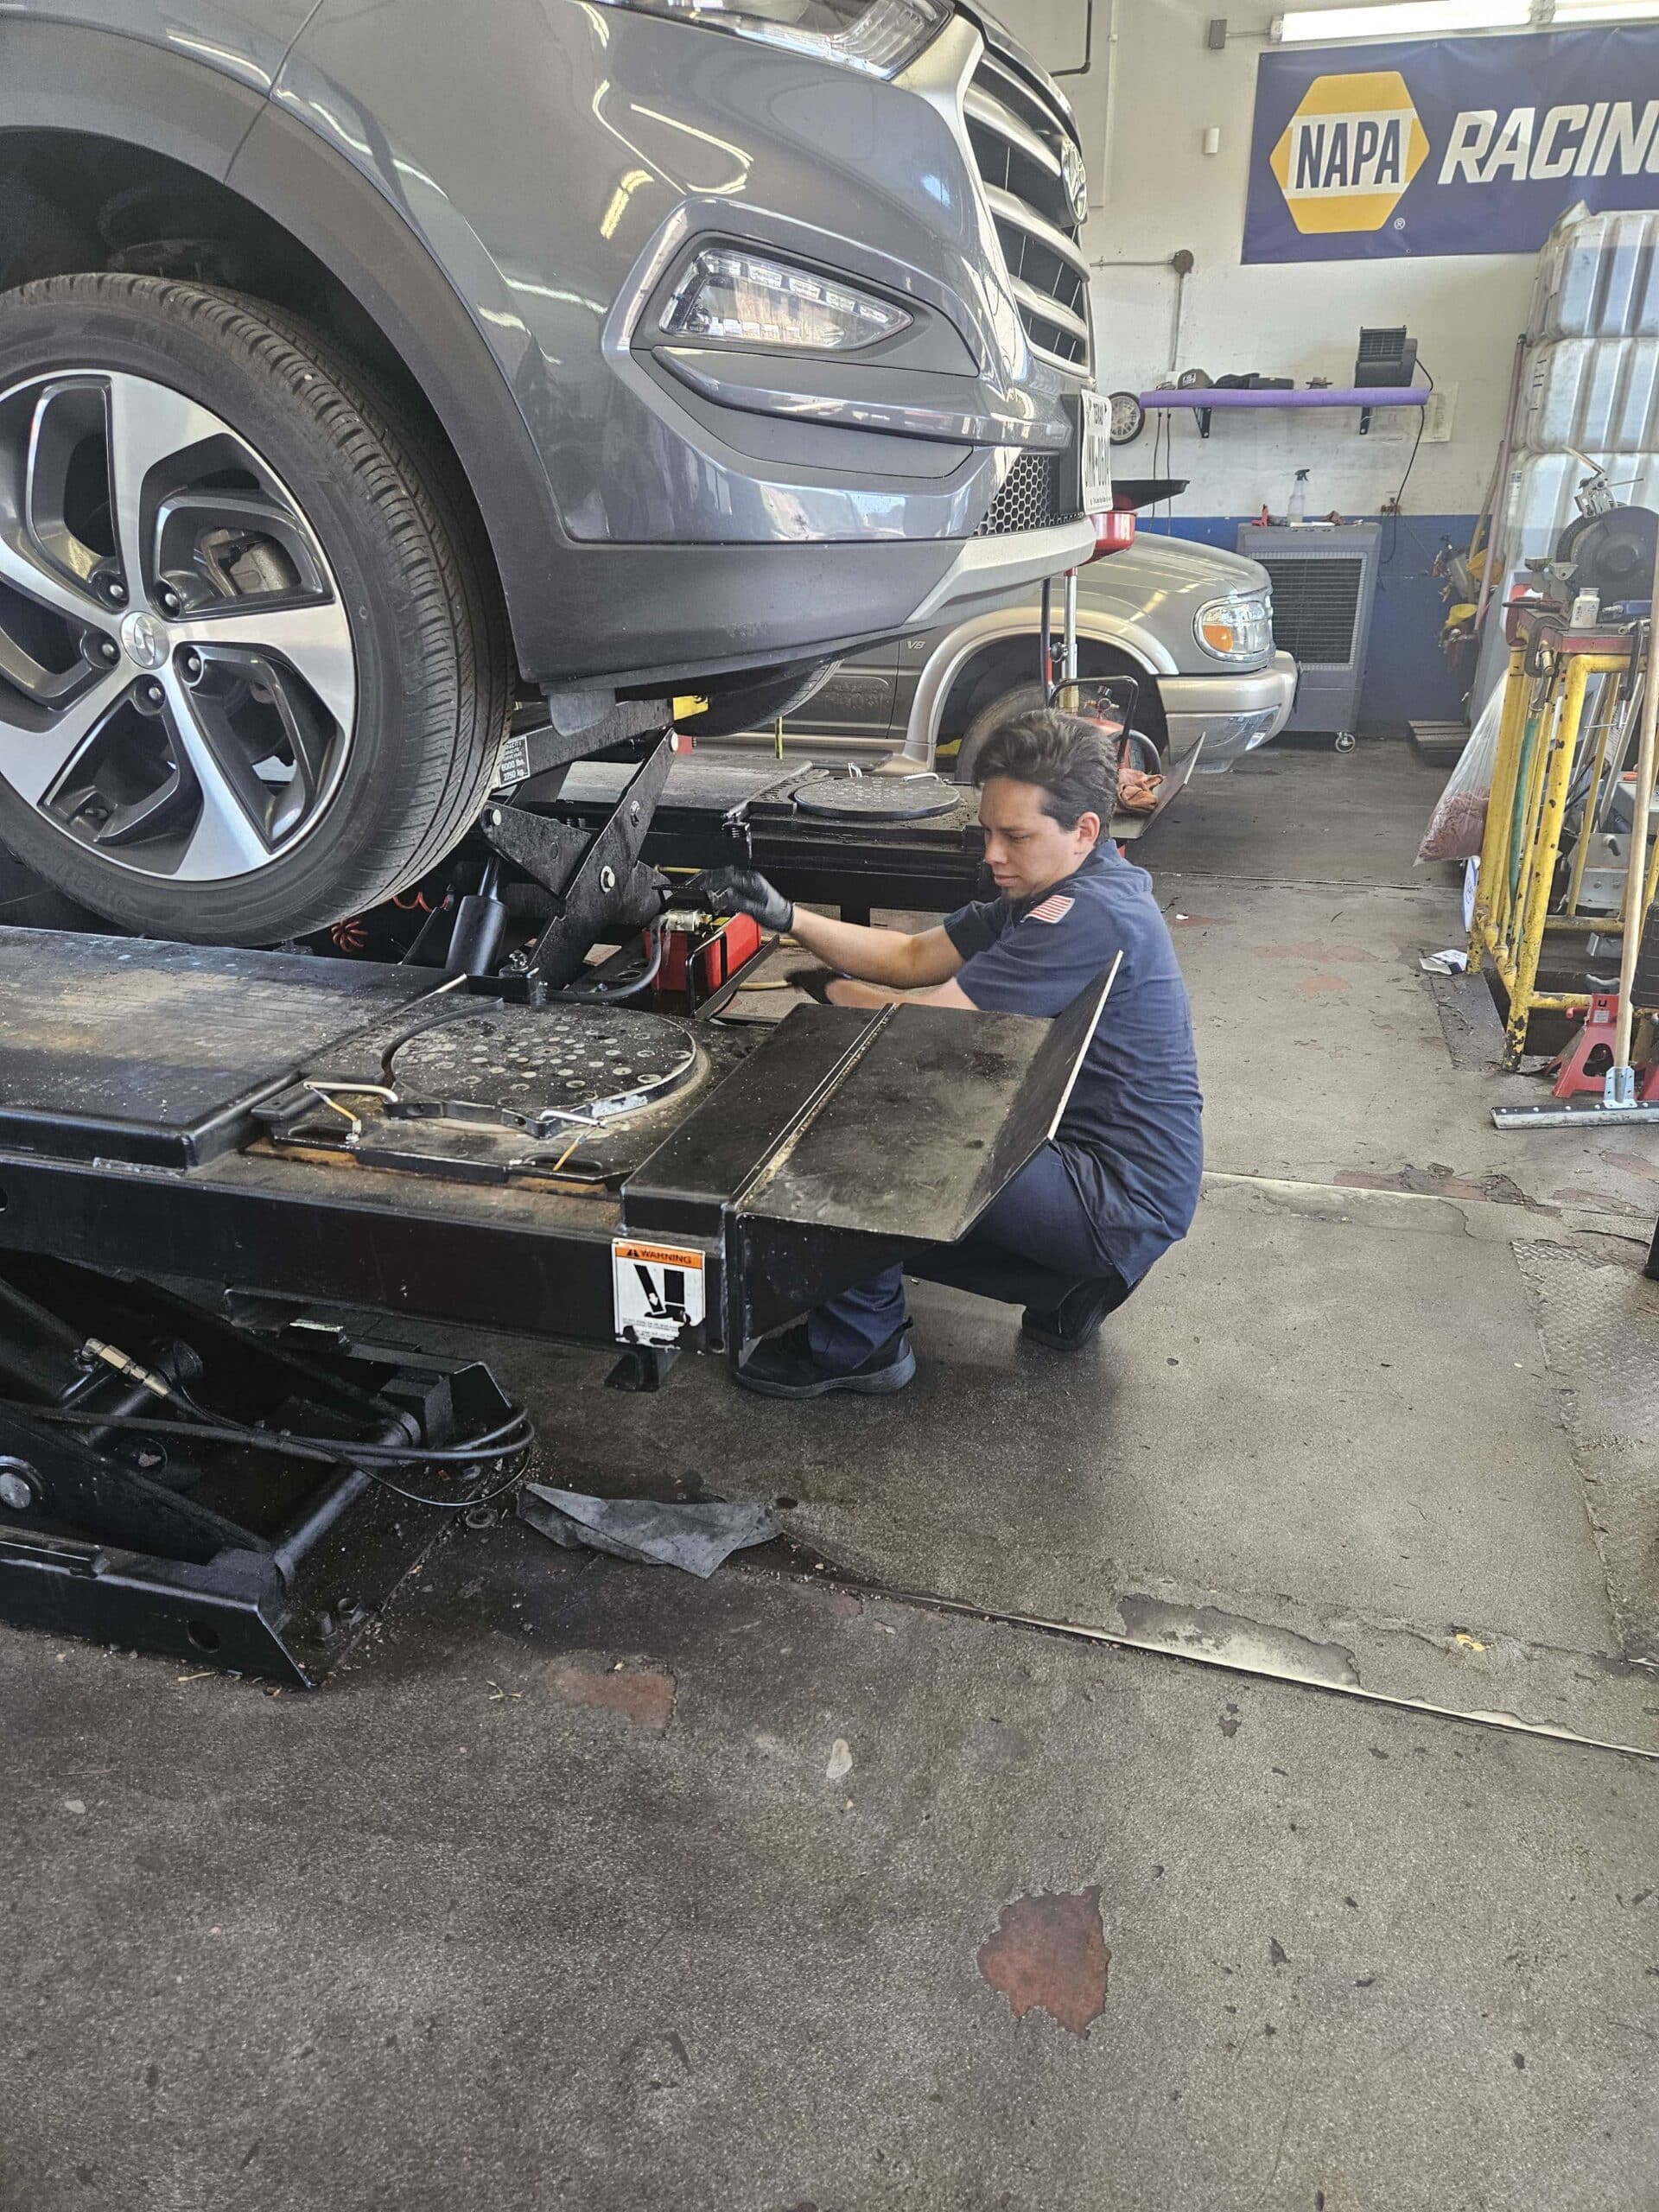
(1581, 1070)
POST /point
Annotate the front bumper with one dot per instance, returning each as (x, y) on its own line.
(1233, 711)
(988, 570)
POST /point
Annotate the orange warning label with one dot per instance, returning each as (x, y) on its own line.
(658, 1256)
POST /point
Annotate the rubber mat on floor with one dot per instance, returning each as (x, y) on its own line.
(1600, 1328)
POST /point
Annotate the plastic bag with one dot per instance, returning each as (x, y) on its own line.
(1458, 825)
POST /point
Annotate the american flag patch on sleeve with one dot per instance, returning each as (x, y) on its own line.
(1051, 910)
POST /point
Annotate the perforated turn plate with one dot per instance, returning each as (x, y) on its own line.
(892, 798)
(540, 1068)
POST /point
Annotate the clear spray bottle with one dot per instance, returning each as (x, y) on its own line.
(1297, 511)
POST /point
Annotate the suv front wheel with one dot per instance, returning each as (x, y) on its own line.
(254, 670)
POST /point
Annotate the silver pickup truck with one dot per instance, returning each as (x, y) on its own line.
(1193, 623)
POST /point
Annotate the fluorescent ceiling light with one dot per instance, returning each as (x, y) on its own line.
(1605, 12)
(1403, 18)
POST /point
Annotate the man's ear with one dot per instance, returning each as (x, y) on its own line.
(1090, 826)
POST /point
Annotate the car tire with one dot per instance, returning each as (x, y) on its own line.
(328, 662)
(1028, 699)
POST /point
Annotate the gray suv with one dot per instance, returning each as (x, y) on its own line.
(364, 369)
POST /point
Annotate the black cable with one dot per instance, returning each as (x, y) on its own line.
(356, 1457)
(1169, 474)
(1422, 417)
(598, 996)
(330, 1451)
(489, 1445)
(444, 1504)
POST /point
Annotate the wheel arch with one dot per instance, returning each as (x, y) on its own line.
(970, 661)
(97, 117)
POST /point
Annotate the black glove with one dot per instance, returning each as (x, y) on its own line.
(814, 982)
(745, 891)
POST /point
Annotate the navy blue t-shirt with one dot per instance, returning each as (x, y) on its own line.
(1130, 1134)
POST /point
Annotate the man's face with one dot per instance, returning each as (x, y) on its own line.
(1027, 849)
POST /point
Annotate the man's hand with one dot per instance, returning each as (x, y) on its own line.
(745, 891)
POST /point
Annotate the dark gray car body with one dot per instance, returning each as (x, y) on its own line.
(505, 190)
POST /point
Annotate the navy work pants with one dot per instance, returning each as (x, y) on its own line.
(1023, 1246)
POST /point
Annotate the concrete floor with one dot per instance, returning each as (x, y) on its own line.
(588, 1885)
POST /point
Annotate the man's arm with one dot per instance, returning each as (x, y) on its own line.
(949, 993)
(891, 957)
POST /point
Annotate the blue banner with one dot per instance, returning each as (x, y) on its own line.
(1434, 146)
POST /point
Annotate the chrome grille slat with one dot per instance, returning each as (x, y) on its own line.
(983, 107)
(1014, 92)
(1046, 309)
(1018, 138)
(1073, 364)
(1009, 208)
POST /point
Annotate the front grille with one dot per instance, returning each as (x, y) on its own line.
(1315, 608)
(1017, 136)
(1036, 494)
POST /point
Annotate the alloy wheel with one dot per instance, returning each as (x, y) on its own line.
(177, 682)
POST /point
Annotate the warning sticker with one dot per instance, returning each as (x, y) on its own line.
(513, 766)
(659, 1290)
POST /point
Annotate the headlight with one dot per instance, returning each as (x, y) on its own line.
(1236, 629)
(879, 37)
(727, 293)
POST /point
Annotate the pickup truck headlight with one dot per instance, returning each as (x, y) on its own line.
(730, 294)
(1236, 629)
(878, 36)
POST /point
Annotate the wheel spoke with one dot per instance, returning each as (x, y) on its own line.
(315, 639)
(228, 839)
(26, 573)
(157, 814)
(150, 425)
(33, 761)
(66, 415)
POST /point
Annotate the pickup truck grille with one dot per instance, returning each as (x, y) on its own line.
(1036, 494)
(1017, 137)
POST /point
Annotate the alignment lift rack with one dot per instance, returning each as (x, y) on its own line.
(291, 1143)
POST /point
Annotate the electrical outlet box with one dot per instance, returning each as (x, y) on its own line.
(1440, 414)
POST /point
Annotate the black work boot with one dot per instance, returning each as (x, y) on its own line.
(1076, 1320)
(787, 1367)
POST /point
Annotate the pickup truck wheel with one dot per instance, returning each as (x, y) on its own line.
(1027, 699)
(254, 670)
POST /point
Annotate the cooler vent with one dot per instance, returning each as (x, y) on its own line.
(1316, 606)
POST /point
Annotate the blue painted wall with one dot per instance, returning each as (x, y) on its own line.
(1406, 680)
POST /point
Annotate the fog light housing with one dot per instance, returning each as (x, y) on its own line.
(746, 299)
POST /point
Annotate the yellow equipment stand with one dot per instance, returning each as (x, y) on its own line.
(1567, 709)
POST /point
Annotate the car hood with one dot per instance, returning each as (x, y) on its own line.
(1154, 567)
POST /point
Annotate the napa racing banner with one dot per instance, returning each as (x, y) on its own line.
(1434, 146)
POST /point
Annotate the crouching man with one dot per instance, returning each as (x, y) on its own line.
(1119, 1184)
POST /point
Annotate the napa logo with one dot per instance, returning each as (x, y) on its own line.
(1349, 152)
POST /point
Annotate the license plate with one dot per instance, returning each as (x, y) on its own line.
(1095, 454)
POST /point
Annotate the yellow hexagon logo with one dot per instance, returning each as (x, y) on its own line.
(1347, 153)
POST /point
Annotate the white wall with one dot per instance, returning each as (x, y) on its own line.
(1158, 191)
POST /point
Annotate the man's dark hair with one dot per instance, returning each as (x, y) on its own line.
(1072, 761)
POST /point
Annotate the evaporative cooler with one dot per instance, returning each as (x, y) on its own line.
(1324, 585)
